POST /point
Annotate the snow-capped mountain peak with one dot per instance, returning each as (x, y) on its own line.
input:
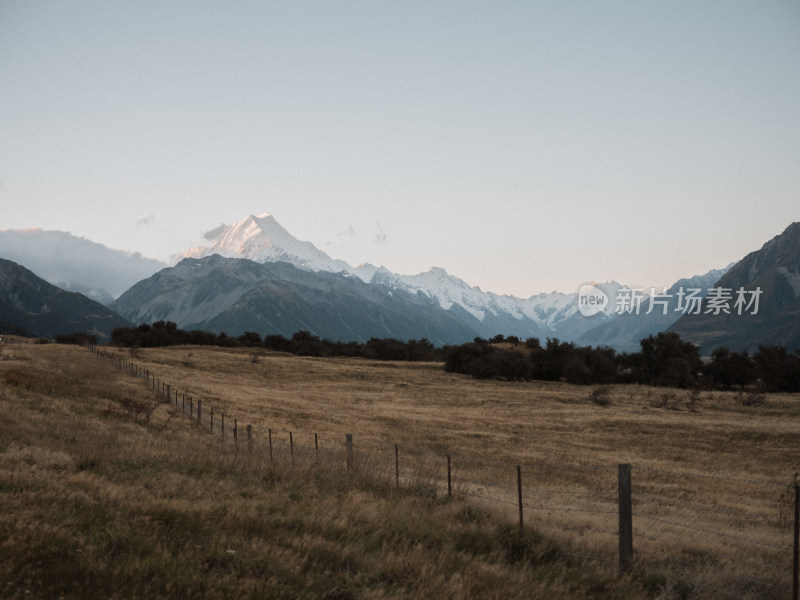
(262, 239)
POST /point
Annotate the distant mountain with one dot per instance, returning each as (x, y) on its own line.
(219, 294)
(774, 271)
(76, 264)
(625, 330)
(28, 303)
(263, 240)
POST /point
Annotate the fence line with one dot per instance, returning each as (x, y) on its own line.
(769, 551)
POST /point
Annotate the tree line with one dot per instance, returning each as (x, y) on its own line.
(663, 360)
(302, 343)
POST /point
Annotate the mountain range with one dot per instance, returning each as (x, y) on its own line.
(256, 276)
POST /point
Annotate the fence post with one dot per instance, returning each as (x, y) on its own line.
(199, 408)
(349, 442)
(796, 566)
(269, 432)
(519, 494)
(449, 479)
(191, 408)
(316, 448)
(169, 394)
(291, 447)
(625, 518)
(249, 436)
(396, 466)
(235, 431)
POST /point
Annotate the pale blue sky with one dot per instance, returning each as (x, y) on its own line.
(522, 146)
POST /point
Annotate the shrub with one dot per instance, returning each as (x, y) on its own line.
(601, 395)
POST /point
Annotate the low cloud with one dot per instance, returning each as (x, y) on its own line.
(213, 233)
(380, 237)
(350, 231)
(145, 222)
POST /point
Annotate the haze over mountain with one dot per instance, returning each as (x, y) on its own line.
(625, 330)
(29, 305)
(76, 264)
(773, 273)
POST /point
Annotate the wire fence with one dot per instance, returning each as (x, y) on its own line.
(725, 537)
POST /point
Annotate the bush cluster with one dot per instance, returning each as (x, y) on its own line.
(664, 360)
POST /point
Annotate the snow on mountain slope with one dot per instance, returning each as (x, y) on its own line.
(262, 239)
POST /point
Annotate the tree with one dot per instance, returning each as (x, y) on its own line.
(669, 361)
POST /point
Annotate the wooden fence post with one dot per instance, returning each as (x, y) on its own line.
(235, 432)
(625, 518)
(396, 466)
(449, 479)
(316, 448)
(291, 447)
(199, 408)
(519, 494)
(269, 432)
(349, 442)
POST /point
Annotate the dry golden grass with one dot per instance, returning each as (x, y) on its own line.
(704, 537)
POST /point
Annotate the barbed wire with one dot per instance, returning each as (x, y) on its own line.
(711, 531)
(707, 476)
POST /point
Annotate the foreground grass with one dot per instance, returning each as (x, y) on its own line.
(97, 506)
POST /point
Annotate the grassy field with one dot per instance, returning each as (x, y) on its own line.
(94, 501)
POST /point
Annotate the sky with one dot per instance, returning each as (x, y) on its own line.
(524, 147)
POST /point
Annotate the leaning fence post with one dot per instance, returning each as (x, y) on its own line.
(796, 566)
(519, 493)
(349, 442)
(625, 518)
